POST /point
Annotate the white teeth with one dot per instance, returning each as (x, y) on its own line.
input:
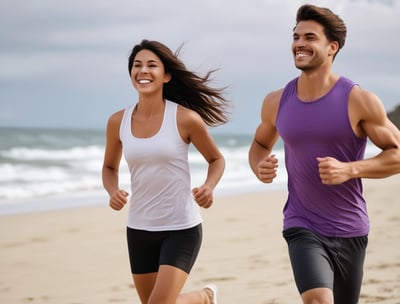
(143, 81)
(301, 54)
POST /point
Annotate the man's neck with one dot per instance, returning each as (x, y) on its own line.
(313, 85)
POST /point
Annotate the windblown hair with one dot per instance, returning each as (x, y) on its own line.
(334, 27)
(185, 87)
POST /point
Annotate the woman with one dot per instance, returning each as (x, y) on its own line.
(164, 230)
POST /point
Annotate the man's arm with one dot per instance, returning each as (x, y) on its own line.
(261, 161)
(375, 124)
(368, 118)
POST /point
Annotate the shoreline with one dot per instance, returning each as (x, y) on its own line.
(99, 197)
(79, 255)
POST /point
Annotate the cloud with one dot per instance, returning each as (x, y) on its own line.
(72, 55)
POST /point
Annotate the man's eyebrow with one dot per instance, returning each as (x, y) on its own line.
(306, 34)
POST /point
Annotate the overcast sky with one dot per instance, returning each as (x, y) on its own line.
(64, 63)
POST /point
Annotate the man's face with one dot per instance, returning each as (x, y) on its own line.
(311, 49)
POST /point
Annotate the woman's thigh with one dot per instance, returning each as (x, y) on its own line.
(168, 285)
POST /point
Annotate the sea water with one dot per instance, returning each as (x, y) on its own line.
(50, 168)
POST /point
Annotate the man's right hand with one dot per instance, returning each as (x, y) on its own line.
(267, 168)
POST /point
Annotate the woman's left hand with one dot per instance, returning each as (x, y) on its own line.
(203, 196)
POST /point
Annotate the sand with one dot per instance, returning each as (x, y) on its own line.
(79, 255)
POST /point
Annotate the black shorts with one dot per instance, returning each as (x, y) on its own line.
(335, 263)
(150, 249)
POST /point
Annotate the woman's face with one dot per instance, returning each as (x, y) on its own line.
(148, 73)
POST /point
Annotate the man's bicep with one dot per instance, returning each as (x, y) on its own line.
(377, 126)
(383, 135)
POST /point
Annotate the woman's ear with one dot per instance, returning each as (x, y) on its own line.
(167, 77)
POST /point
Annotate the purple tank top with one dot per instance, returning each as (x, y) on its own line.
(313, 129)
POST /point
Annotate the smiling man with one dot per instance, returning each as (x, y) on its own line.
(324, 121)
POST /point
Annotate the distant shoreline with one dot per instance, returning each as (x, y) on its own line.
(93, 198)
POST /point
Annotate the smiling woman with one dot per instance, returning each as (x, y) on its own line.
(164, 230)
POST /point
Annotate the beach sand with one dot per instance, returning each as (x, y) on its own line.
(79, 255)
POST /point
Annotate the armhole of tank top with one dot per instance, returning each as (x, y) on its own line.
(125, 125)
(279, 105)
(349, 88)
(284, 92)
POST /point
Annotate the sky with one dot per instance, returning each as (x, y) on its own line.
(63, 64)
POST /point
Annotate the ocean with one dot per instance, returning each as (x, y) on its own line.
(43, 169)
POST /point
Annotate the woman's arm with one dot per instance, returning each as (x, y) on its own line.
(193, 129)
(112, 158)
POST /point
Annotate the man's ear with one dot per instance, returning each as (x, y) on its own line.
(334, 48)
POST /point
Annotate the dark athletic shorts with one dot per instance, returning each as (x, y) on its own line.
(150, 249)
(335, 263)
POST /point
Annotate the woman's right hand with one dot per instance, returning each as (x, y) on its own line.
(118, 199)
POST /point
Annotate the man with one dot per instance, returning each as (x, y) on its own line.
(324, 121)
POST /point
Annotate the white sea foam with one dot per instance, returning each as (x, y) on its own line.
(52, 165)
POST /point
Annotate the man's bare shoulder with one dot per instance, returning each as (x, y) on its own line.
(272, 100)
(270, 106)
(357, 93)
(274, 95)
(365, 102)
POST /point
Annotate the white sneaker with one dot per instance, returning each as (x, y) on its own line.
(214, 290)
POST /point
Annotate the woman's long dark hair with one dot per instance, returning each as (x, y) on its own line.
(185, 87)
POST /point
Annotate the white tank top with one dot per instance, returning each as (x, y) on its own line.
(161, 197)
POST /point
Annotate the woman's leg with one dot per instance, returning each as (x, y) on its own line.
(168, 285)
(318, 295)
(144, 284)
(175, 252)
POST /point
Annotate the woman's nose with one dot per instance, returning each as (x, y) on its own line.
(143, 70)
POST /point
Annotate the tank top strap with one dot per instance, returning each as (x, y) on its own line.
(169, 125)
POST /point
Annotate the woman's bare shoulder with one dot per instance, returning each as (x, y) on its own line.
(116, 117)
